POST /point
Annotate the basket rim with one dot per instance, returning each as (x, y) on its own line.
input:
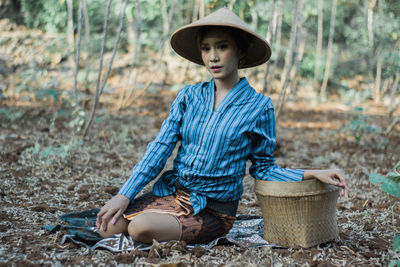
(293, 189)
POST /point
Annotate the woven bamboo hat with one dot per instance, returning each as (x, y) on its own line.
(184, 40)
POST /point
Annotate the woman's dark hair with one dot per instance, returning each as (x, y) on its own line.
(241, 38)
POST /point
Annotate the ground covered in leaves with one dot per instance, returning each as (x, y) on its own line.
(46, 171)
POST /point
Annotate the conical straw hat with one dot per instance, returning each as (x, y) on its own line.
(184, 40)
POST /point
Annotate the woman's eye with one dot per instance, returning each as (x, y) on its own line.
(223, 46)
(204, 48)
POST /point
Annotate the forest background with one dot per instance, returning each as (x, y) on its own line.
(86, 84)
(352, 46)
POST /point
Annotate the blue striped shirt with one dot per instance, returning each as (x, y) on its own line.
(214, 146)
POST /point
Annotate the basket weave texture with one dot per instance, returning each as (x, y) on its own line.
(298, 214)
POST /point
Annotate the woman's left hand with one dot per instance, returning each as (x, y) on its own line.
(331, 176)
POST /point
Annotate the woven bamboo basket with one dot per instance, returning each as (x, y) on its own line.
(298, 214)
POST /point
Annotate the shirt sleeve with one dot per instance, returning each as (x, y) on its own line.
(158, 151)
(263, 145)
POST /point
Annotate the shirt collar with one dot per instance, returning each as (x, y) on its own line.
(236, 94)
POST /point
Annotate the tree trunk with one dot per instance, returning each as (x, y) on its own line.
(166, 26)
(289, 57)
(70, 29)
(271, 76)
(393, 92)
(202, 9)
(385, 87)
(379, 55)
(166, 17)
(131, 31)
(290, 50)
(270, 37)
(129, 89)
(198, 12)
(134, 25)
(78, 47)
(371, 6)
(393, 106)
(253, 14)
(330, 50)
(299, 53)
(254, 24)
(138, 47)
(319, 41)
(196, 8)
(87, 40)
(231, 3)
(164, 13)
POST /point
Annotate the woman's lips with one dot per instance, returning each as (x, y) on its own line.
(216, 68)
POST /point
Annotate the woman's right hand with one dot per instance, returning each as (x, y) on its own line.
(112, 210)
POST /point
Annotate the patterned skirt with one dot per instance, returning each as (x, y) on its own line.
(201, 228)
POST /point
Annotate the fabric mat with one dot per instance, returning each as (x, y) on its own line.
(247, 231)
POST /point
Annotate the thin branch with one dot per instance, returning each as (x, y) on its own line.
(393, 109)
(87, 40)
(70, 32)
(100, 90)
(270, 38)
(78, 48)
(129, 89)
(299, 55)
(121, 25)
(289, 59)
(392, 125)
(278, 38)
(330, 50)
(103, 44)
(319, 40)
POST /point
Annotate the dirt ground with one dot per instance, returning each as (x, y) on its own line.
(46, 170)
(39, 186)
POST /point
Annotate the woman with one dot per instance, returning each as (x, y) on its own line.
(220, 125)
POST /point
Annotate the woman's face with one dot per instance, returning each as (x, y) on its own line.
(220, 55)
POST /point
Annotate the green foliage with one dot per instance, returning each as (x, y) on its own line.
(27, 76)
(47, 94)
(390, 185)
(396, 243)
(377, 178)
(350, 95)
(124, 136)
(359, 126)
(77, 118)
(307, 66)
(12, 114)
(51, 16)
(391, 188)
(354, 51)
(51, 153)
(72, 114)
(394, 263)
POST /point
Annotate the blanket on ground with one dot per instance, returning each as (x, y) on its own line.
(247, 231)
